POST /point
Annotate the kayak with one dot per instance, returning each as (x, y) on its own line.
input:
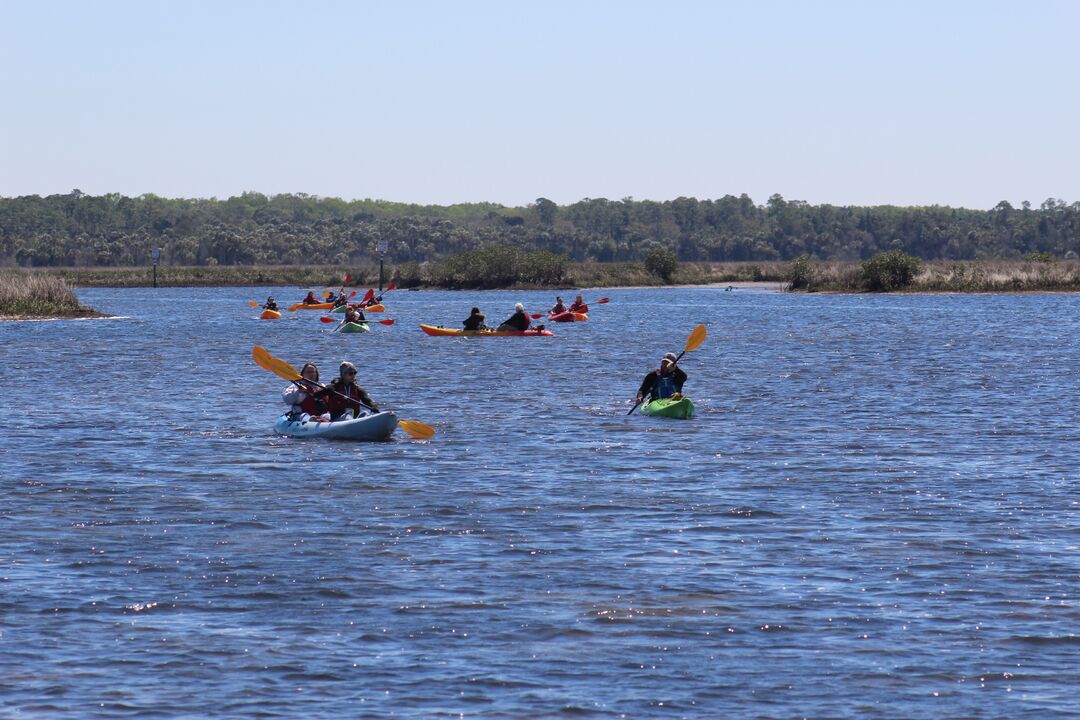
(310, 306)
(436, 331)
(568, 316)
(355, 327)
(372, 308)
(269, 315)
(368, 427)
(680, 408)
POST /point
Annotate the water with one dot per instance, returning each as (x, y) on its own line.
(873, 515)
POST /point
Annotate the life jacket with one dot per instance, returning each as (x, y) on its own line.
(665, 385)
(558, 309)
(579, 307)
(312, 406)
(335, 403)
(310, 299)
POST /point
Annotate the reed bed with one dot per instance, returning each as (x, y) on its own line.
(961, 276)
(39, 296)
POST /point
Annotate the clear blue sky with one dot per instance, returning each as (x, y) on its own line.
(906, 103)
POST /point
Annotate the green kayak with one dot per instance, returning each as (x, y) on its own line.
(680, 408)
(355, 327)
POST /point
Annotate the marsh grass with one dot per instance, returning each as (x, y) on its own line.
(39, 296)
(971, 276)
(215, 275)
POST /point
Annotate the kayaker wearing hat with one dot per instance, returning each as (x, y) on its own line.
(664, 382)
(579, 306)
(519, 321)
(271, 304)
(475, 321)
(344, 398)
(301, 400)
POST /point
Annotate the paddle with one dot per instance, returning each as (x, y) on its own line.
(328, 320)
(284, 370)
(252, 303)
(692, 343)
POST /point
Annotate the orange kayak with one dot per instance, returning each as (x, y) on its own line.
(269, 315)
(436, 331)
(310, 306)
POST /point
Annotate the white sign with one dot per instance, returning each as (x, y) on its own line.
(382, 246)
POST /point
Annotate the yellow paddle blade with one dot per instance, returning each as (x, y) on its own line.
(252, 303)
(261, 357)
(696, 338)
(283, 369)
(417, 429)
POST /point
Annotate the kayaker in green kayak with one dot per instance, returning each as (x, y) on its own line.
(519, 321)
(663, 382)
(352, 315)
(475, 321)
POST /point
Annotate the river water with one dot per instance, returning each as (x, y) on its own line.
(874, 514)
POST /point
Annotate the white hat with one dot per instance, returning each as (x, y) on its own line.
(519, 307)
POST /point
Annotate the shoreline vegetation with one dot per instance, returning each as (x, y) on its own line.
(46, 292)
(26, 296)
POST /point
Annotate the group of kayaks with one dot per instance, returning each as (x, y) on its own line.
(381, 425)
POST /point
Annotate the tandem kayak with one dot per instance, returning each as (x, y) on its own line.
(269, 315)
(680, 408)
(568, 316)
(436, 331)
(355, 327)
(310, 306)
(368, 427)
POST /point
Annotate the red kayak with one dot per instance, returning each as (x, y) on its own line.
(568, 316)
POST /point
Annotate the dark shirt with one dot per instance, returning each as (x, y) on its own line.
(518, 321)
(474, 322)
(648, 385)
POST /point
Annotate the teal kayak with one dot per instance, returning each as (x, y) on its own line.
(680, 408)
(366, 427)
(355, 327)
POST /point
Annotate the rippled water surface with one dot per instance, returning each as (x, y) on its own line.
(875, 513)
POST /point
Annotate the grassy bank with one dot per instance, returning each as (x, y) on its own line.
(970, 276)
(39, 296)
(973, 276)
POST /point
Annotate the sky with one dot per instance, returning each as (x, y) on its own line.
(848, 103)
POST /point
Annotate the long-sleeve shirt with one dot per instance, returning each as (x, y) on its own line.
(648, 385)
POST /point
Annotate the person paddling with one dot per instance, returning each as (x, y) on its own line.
(559, 307)
(579, 306)
(342, 299)
(301, 400)
(310, 299)
(270, 304)
(353, 315)
(475, 321)
(663, 382)
(519, 321)
(344, 398)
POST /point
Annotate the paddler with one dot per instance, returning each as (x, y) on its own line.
(559, 307)
(663, 382)
(344, 398)
(310, 299)
(270, 304)
(300, 399)
(519, 321)
(579, 306)
(475, 321)
(353, 315)
(341, 299)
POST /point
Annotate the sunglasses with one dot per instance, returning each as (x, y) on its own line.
(349, 372)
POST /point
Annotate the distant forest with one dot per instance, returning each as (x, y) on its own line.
(81, 230)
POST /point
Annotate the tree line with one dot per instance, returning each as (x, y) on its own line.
(80, 230)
